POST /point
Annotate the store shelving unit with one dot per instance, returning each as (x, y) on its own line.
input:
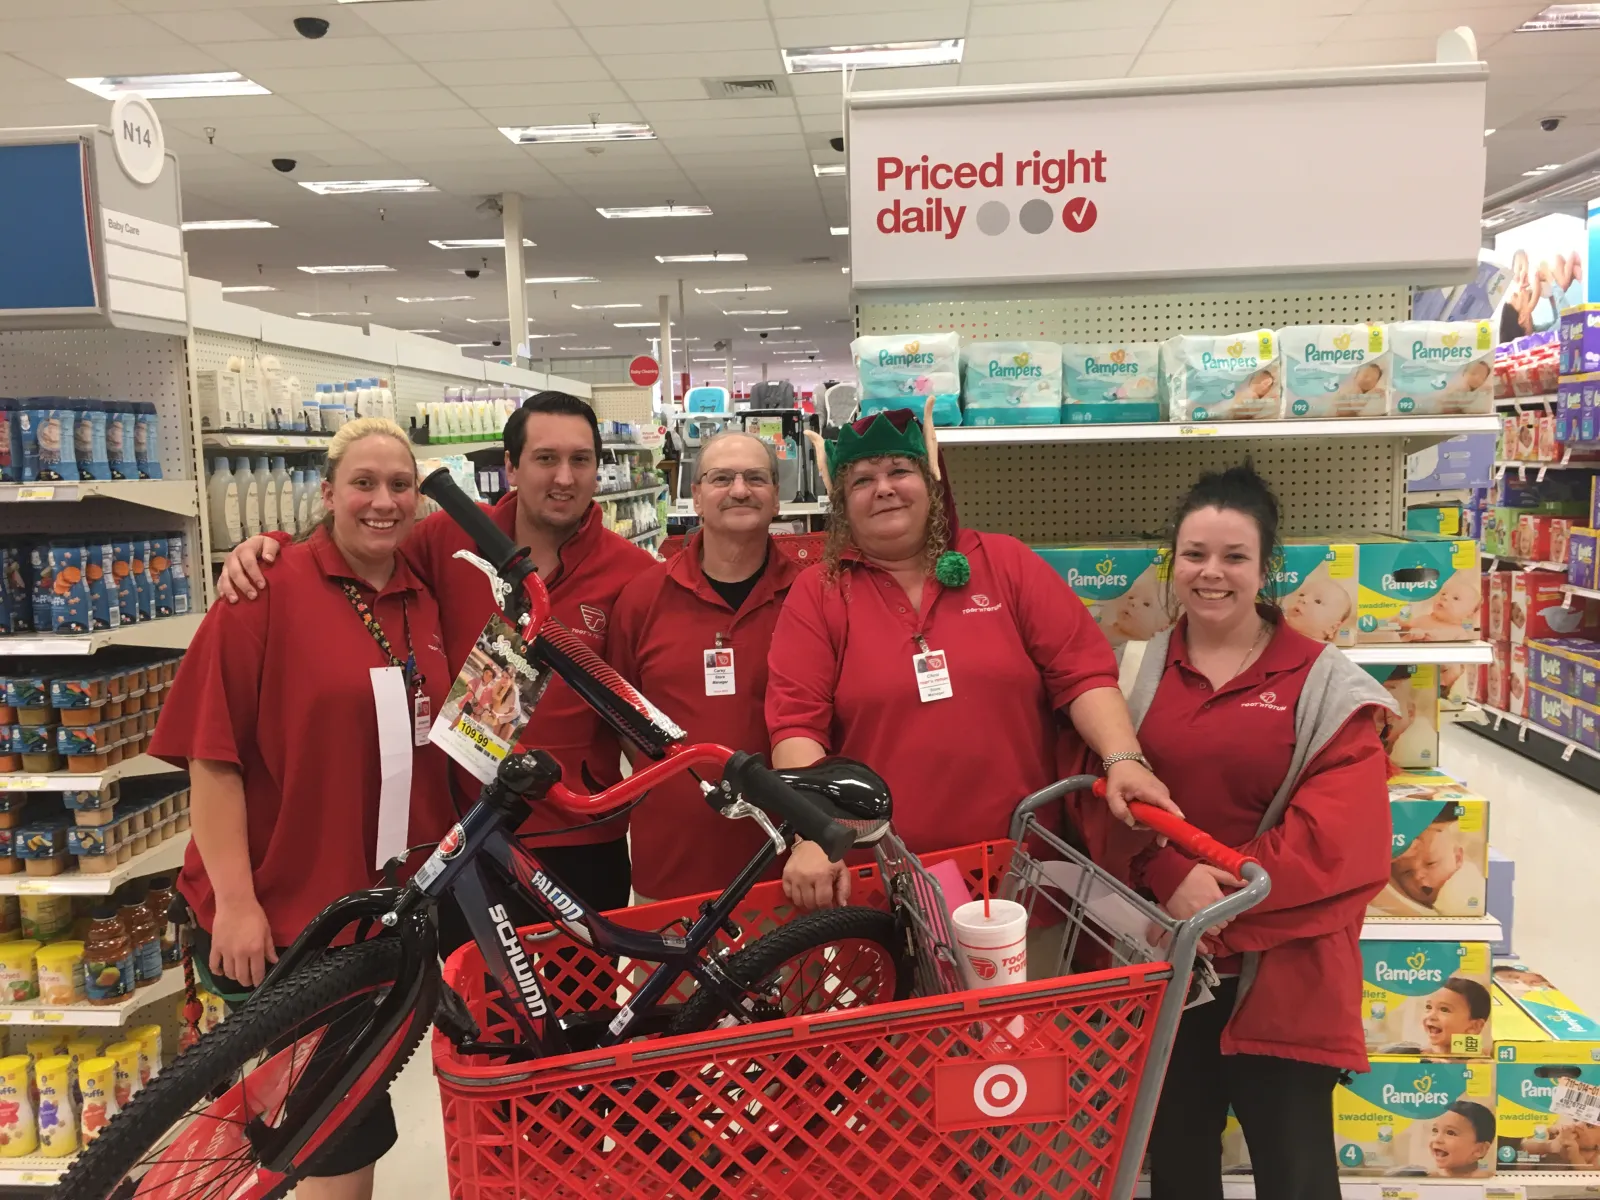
(1492, 562)
(1440, 653)
(63, 781)
(99, 1015)
(1545, 746)
(170, 496)
(1421, 429)
(1505, 1185)
(166, 857)
(1520, 402)
(166, 633)
(654, 489)
(1573, 590)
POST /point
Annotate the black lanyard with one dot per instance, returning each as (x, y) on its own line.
(414, 681)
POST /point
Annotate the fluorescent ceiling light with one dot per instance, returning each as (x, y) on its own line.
(342, 270)
(167, 87)
(354, 187)
(846, 270)
(655, 210)
(755, 312)
(1541, 170)
(584, 349)
(589, 307)
(250, 287)
(472, 345)
(935, 53)
(769, 328)
(432, 299)
(490, 320)
(1560, 17)
(563, 279)
(733, 291)
(1488, 133)
(827, 170)
(498, 243)
(241, 223)
(699, 258)
(424, 331)
(639, 324)
(844, 230)
(595, 131)
(533, 337)
(333, 314)
(787, 342)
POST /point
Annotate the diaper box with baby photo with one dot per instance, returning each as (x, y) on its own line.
(1110, 381)
(1546, 1005)
(1124, 585)
(1416, 588)
(1579, 328)
(1223, 377)
(1425, 997)
(1582, 545)
(1570, 666)
(1539, 609)
(1411, 736)
(1442, 367)
(1439, 864)
(1335, 370)
(902, 370)
(1010, 383)
(1315, 581)
(1535, 1125)
(1417, 1116)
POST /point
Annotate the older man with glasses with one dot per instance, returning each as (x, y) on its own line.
(692, 633)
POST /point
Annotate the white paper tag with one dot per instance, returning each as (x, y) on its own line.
(933, 675)
(719, 671)
(1578, 1100)
(394, 761)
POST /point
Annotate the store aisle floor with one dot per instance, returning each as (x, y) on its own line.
(414, 1169)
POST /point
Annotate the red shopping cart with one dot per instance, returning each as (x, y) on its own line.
(1042, 1088)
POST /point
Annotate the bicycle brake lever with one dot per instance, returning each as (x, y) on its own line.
(499, 588)
(740, 808)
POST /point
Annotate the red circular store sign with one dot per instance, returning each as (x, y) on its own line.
(644, 370)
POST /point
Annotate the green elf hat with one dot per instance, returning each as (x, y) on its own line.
(894, 432)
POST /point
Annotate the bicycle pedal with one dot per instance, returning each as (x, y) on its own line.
(455, 1019)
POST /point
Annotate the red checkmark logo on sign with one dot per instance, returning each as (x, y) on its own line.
(1079, 214)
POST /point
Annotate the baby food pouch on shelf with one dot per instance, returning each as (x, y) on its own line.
(1335, 370)
(1225, 377)
(1442, 367)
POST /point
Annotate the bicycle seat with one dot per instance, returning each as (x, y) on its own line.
(850, 792)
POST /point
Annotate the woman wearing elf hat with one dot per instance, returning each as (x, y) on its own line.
(939, 655)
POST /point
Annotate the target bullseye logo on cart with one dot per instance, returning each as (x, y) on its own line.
(973, 1094)
(1000, 1090)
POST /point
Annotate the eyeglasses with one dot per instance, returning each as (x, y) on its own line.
(722, 480)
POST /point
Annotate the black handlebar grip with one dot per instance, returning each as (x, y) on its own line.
(751, 779)
(441, 488)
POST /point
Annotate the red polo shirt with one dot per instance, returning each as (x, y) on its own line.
(594, 564)
(1019, 645)
(1224, 754)
(283, 689)
(664, 621)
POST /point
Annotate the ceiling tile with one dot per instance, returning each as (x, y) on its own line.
(418, 99)
(226, 106)
(254, 57)
(706, 109)
(1082, 44)
(284, 124)
(72, 60)
(1047, 70)
(458, 118)
(13, 69)
(679, 38)
(516, 70)
(285, 145)
(711, 131)
(1375, 53)
(1204, 62)
(694, 65)
(576, 113)
(1025, 20)
(782, 9)
(220, 26)
(485, 45)
(504, 96)
(57, 32)
(1534, 48)
(1223, 36)
(587, 13)
(857, 28)
(682, 147)
(451, 16)
(1243, 15)
(812, 106)
(487, 141)
(663, 89)
(294, 80)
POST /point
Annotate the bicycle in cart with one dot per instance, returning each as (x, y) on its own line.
(795, 1053)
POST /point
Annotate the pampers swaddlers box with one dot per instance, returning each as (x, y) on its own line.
(1439, 859)
(1442, 367)
(1531, 1068)
(1124, 586)
(903, 370)
(1316, 584)
(1417, 1116)
(1417, 589)
(1335, 370)
(1426, 998)
(1110, 381)
(1011, 383)
(1230, 377)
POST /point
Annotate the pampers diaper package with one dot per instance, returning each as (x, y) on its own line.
(1547, 1005)
(1335, 370)
(1225, 377)
(1426, 998)
(1538, 1076)
(1315, 582)
(903, 370)
(1417, 589)
(1011, 383)
(1442, 367)
(1417, 1116)
(1123, 584)
(1110, 381)
(1439, 859)
(1411, 736)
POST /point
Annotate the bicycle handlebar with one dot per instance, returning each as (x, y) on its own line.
(1184, 835)
(508, 559)
(747, 775)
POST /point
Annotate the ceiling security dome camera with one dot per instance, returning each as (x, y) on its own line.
(1549, 124)
(285, 164)
(310, 27)
(472, 272)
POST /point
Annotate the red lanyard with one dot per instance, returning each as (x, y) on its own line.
(414, 681)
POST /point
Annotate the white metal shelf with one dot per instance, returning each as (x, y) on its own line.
(170, 984)
(1572, 589)
(167, 857)
(71, 781)
(629, 448)
(1423, 929)
(1544, 401)
(266, 441)
(1525, 564)
(1164, 431)
(1422, 653)
(33, 1170)
(1503, 1185)
(1523, 466)
(164, 495)
(164, 633)
(442, 449)
(639, 539)
(653, 490)
(1526, 724)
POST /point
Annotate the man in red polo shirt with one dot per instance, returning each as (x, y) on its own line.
(692, 634)
(552, 457)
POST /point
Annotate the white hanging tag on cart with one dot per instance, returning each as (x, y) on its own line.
(394, 761)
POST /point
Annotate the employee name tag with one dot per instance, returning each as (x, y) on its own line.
(719, 671)
(421, 719)
(933, 675)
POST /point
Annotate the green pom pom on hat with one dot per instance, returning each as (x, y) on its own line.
(952, 570)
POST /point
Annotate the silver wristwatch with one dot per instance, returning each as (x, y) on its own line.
(1128, 756)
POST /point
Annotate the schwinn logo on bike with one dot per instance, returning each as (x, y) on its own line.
(564, 904)
(594, 619)
(450, 844)
(517, 958)
(981, 604)
(1266, 700)
(971, 1094)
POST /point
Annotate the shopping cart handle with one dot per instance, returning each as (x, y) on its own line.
(1184, 835)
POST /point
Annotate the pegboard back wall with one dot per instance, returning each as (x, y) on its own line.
(623, 402)
(1134, 317)
(107, 364)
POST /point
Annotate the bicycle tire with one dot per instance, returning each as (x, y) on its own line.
(757, 962)
(208, 1068)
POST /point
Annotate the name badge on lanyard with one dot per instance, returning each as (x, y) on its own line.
(932, 670)
(718, 663)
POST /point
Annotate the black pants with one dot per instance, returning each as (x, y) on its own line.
(1284, 1107)
(598, 874)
